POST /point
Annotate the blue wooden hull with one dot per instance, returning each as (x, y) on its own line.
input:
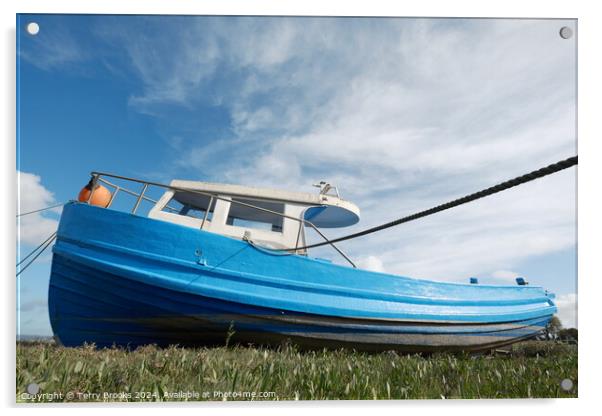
(127, 280)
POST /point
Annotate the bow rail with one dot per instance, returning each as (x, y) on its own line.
(140, 196)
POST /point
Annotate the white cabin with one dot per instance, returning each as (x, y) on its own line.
(226, 209)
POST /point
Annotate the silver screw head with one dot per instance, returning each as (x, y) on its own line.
(566, 32)
(566, 384)
(33, 388)
(32, 28)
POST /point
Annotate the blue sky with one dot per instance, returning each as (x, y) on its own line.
(400, 114)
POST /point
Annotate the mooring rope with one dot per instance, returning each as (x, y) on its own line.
(536, 174)
(43, 245)
(46, 243)
(41, 209)
(267, 250)
(36, 249)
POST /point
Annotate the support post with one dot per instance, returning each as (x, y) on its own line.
(93, 183)
(140, 198)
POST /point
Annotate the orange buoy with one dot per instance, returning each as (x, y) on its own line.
(100, 197)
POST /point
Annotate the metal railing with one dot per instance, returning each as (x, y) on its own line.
(97, 177)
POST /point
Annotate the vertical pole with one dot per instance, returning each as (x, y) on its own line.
(298, 236)
(117, 189)
(140, 198)
(207, 212)
(93, 183)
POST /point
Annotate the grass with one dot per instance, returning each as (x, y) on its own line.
(530, 369)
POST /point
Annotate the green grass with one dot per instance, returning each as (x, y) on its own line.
(531, 369)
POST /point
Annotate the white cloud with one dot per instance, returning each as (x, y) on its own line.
(371, 263)
(32, 195)
(505, 275)
(171, 61)
(33, 304)
(403, 131)
(401, 114)
(52, 48)
(567, 310)
(475, 239)
(253, 121)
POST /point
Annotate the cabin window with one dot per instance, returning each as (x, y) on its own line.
(247, 217)
(190, 205)
(173, 207)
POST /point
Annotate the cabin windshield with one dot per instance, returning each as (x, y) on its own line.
(247, 217)
(190, 205)
(266, 217)
(268, 222)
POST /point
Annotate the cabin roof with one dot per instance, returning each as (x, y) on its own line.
(324, 210)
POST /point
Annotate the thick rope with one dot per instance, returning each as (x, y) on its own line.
(536, 174)
(540, 173)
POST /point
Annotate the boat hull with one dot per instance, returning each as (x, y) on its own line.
(119, 279)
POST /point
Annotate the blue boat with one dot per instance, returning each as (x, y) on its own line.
(212, 262)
